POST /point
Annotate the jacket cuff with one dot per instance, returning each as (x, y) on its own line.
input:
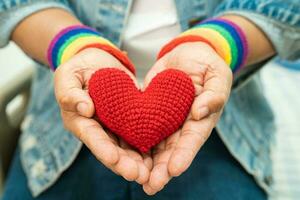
(11, 17)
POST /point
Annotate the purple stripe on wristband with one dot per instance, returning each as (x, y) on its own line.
(56, 38)
(239, 32)
(242, 37)
(54, 41)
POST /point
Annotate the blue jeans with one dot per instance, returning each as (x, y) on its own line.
(214, 174)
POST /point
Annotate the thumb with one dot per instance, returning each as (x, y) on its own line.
(70, 94)
(216, 90)
(207, 103)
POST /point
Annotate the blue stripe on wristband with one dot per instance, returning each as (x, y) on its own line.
(68, 35)
(233, 32)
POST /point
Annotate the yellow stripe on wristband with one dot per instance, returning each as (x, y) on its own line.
(76, 45)
(220, 43)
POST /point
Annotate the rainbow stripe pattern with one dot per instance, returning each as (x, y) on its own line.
(74, 39)
(225, 37)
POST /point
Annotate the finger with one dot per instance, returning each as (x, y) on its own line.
(207, 103)
(70, 94)
(148, 161)
(148, 190)
(114, 139)
(197, 80)
(143, 171)
(214, 96)
(126, 166)
(193, 135)
(94, 137)
(198, 89)
(112, 156)
(160, 176)
(102, 146)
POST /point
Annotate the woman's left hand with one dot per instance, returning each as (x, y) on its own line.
(212, 79)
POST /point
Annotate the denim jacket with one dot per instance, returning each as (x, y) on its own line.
(246, 126)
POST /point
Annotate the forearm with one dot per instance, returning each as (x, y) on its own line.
(259, 46)
(34, 34)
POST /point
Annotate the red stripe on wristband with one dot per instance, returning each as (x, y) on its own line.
(118, 54)
(183, 39)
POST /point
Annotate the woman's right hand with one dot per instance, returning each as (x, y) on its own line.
(77, 110)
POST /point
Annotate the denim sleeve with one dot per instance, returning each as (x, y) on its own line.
(279, 19)
(13, 12)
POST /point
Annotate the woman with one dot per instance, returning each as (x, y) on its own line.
(233, 164)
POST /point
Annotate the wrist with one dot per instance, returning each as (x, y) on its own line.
(187, 51)
(91, 59)
(199, 53)
(225, 37)
(259, 45)
(74, 39)
(190, 46)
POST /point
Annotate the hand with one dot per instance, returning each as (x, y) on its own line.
(212, 79)
(77, 110)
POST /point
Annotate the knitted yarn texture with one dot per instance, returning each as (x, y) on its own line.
(141, 118)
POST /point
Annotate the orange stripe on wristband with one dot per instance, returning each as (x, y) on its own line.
(221, 44)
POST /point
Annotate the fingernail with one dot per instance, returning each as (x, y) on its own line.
(203, 112)
(82, 107)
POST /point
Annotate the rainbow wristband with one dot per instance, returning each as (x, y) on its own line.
(74, 39)
(225, 37)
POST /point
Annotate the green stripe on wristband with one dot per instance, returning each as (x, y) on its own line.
(228, 37)
(68, 42)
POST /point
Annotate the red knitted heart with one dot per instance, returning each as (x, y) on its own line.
(142, 119)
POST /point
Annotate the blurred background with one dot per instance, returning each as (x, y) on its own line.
(281, 82)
